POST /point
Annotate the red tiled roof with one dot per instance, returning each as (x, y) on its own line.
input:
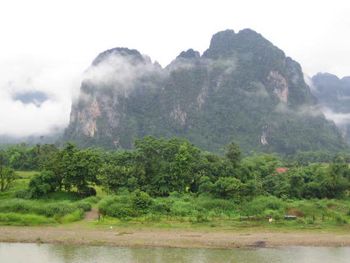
(281, 170)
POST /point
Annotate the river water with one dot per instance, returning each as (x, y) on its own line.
(44, 253)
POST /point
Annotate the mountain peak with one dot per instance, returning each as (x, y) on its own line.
(222, 38)
(189, 54)
(226, 43)
(133, 54)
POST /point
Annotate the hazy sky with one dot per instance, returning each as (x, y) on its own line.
(46, 44)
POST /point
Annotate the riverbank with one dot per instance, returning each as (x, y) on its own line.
(177, 238)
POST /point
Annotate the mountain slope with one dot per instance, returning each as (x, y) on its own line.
(333, 95)
(242, 88)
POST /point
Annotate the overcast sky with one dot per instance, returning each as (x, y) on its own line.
(46, 44)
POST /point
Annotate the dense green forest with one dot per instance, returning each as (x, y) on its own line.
(173, 178)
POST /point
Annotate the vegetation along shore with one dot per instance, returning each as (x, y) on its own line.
(167, 192)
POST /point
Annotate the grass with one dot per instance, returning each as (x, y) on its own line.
(57, 208)
(15, 219)
(208, 213)
(217, 224)
(19, 184)
(42, 211)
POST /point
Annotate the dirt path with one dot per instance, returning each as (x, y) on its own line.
(92, 215)
(168, 238)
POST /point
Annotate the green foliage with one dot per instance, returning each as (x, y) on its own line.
(157, 166)
(48, 209)
(7, 174)
(206, 209)
(15, 219)
(43, 184)
(24, 157)
(233, 153)
(227, 187)
(264, 206)
(171, 178)
(141, 200)
(123, 206)
(72, 217)
(117, 206)
(66, 169)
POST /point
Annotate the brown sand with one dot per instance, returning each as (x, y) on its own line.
(168, 238)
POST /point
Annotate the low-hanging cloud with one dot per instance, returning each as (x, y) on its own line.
(120, 72)
(340, 119)
(56, 81)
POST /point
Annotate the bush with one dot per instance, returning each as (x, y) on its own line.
(341, 219)
(43, 184)
(181, 208)
(83, 205)
(258, 206)
(117, 206)
(227, 187)
(161, 206)
(92, 199)
(141, 200)
(119, 210)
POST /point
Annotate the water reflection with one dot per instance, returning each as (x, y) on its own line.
(35, 253)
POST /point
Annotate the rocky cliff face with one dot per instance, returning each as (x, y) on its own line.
(242, 88)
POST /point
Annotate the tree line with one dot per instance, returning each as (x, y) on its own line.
(160, 167)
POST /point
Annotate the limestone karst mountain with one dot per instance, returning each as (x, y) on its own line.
(242, 88)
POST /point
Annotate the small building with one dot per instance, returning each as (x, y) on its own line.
(281, 170)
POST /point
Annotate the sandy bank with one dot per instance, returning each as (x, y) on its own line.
(169, 238)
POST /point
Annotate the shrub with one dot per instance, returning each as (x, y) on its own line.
(258, 205)
(117, 206)
(227, 187)
(43, 184)
(119, 210)
(181, 208)
(92, 199)
(141, 200)
(161, 206)
(340, 219)
(83, 205)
